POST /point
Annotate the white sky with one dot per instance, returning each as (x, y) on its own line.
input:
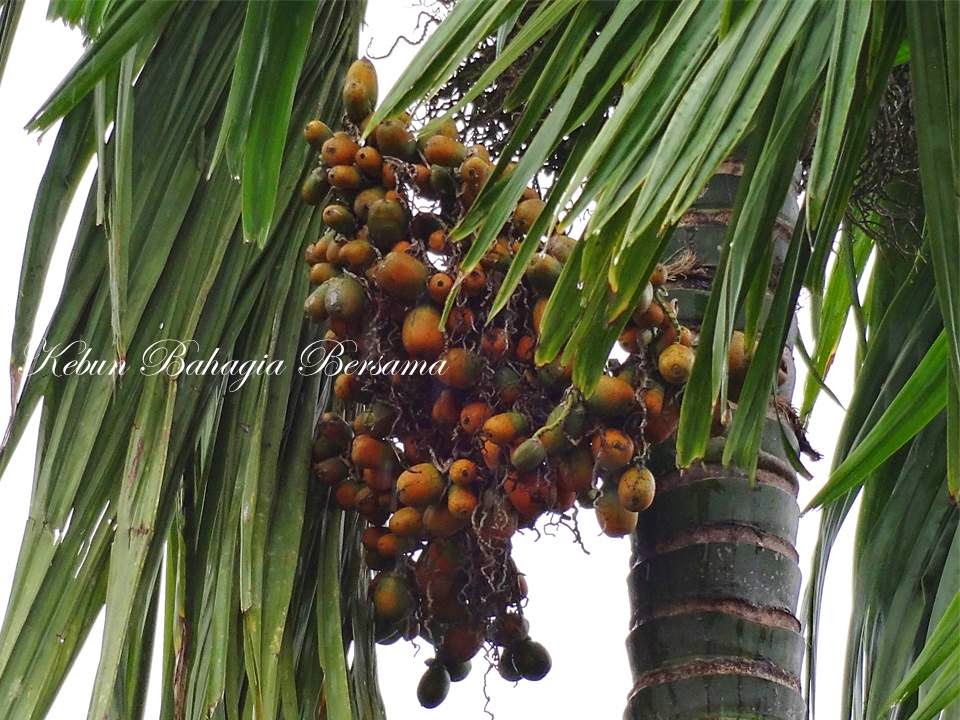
(578, 604)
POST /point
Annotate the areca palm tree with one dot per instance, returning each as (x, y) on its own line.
(684, 124)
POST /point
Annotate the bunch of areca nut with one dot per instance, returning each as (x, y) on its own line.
(461, 439)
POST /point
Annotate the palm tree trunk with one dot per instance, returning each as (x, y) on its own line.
(714, 580)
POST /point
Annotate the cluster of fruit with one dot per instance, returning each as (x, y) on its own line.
(447, 466)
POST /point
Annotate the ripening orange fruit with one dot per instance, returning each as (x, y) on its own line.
(421, 178)
(629, 339)
(389, 174)
(400, 275)
(331, 471)
(369, 452)
(504, 428)
(406, 522)
(316, 252)
(445, 151)
(370, 536)
(360, 90)
(356, 254)
(420, 486)
(613, 397)
(538, 311)
(370, 162)
(527, 213)
(394, 139)
(737, 355)
(474, 172)
(525, 348)
(317, 133)
(493, 455)
(473, 416)
(462, 368)
(494, 343)
(446, 409)
(339, 218)
(321, 272)
(341, 149)
(345, 494)
(439, 522)
(387, 221)
(379, 480)
(676, 363)
(346, 387)
(614, 519)
(366, 198)
(659, 275)
(461, 502)
(575, 470)
(344, 177)
(636, 488)
(463, 472)
(653, 399)
(437, 242)
(479, 151)
(652, 317)
(344, 299)
(612, 449)
(438, 287)
(421, 333)
(460, 320)
(392, 545)
(659, 427)
(461, 642)
(392, 598)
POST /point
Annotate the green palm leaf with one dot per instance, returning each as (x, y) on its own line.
(136, 469)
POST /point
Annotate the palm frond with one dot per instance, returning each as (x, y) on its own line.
(704, 82)
(10, 11)
(190, 485)
(906, 525)
(690, 96)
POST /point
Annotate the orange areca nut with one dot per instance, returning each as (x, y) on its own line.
(463, 472)
(370, 162)
(473, 416)
(614, 519)
(341, 149)
(439, 286)
(676, 364)
(443, 150)
(612, 449)
(369, 452)
(446, 409)
(636, 488)
(420, 486)
(461, 502)
(400, 275)
(474, 282)
(421, 333)
(613, 397)
(406, 522)
(461, 368)
(392, 598)
(317, 133)
(527, 213)
(504, 428)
